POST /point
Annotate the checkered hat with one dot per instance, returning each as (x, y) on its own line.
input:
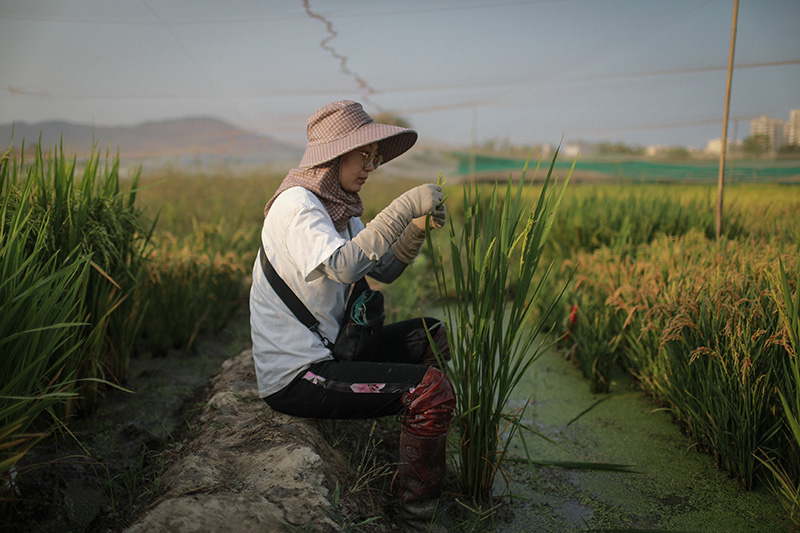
(343, 126)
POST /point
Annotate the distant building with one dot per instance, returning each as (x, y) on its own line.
(779, 133)
(714, 146)
(572, 150)
(791, 131)
(654, 149)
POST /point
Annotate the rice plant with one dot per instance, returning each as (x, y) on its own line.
(594, 340)
(83, 213)
(786, 473)
(192, 285)
(622, 218)
(40, 329)
(697, 327)
(489, 284)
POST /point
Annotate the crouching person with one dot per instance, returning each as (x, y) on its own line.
(314, 241)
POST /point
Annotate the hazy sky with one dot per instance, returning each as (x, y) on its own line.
(637, 71)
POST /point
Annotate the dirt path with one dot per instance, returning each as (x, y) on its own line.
(246, 466)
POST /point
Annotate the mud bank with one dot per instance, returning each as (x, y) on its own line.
(95, 477)
(247, 467)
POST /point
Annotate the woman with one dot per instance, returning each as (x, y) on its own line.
(313, 237)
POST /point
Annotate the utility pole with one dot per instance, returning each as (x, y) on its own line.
(724, 147)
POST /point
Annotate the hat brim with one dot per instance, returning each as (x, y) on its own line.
(392, 142)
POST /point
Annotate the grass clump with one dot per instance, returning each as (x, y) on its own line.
(489, 284)
(71, 253)
(84, 213)
(87, 218)
(39, 332)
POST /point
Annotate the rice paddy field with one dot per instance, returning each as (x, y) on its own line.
(98, 269)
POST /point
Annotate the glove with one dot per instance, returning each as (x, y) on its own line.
(437, 219)
(421, 200)
(407, 247)
(384, 230)
(409, 244)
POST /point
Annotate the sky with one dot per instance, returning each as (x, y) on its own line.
(641, 72)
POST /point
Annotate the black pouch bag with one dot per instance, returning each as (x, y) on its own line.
(362, 324)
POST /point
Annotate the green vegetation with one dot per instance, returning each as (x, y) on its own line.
(38, 324)
(97, 269)
(693, 321)
(758, 144)
(699, 323)
(620, 148)
(785, 483)
(88, 282)
(74, 221)
(203, 247)
(72, 254)
(696, 322)
(491, 274)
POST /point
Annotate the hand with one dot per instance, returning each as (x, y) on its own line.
(437, 219)
(422, 200)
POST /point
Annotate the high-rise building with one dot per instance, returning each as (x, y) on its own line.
(771, 127)
(791, 131)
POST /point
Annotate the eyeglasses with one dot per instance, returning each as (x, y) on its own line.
(371, 158)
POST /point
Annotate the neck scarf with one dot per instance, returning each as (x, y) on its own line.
(323, 181)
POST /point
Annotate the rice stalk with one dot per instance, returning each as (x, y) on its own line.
(492, 276)
(84, 213)
(694, 322)
(192, 285)
(40, 328)
(786, 474)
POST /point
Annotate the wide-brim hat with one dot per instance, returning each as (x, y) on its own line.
(342, 126)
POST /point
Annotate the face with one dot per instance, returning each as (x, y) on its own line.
(353, 174)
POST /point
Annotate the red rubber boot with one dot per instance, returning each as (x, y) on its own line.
(423, 446)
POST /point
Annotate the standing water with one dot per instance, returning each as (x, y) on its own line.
(670, 486)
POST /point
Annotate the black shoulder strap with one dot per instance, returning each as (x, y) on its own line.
(290, 298)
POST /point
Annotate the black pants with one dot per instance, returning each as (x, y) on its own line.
(361, 389)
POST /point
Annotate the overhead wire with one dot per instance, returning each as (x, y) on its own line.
(368, 91)
(217, 87)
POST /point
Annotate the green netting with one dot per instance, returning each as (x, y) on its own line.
(646, 170)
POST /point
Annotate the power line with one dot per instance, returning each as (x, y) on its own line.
(696, 70)
(272, 15)
(217, 87)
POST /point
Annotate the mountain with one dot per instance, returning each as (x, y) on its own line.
(199, 137)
